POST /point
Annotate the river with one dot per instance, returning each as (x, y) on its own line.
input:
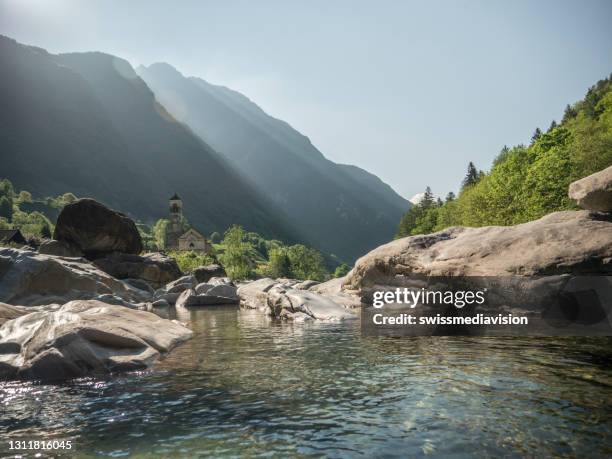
(246, 386)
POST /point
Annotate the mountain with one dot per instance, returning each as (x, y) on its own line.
(340, 209)
(86, 123)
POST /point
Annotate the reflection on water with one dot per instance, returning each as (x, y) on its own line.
(246, 386)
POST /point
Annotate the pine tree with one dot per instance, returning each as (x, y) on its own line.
(450, 197)
(552, 125)
(428, 199)
(472, 176)
(569, 113)
(536, 135)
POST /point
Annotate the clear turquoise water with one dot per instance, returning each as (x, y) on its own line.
(246, 387)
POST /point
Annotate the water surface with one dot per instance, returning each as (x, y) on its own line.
(245, 386)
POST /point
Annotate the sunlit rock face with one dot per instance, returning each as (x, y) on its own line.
(82, 338)
(30, 278)
(594, 192)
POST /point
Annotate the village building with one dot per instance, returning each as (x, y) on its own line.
(176, 236)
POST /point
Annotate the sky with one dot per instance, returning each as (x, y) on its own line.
(411, 91)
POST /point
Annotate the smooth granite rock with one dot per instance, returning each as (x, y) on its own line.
(83, 338)
(96, 230)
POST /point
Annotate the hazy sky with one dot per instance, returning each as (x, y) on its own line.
(411, 91)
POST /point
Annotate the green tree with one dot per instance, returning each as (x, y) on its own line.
(67, 198)
(159, 233)
(471, 177)
(6, 189)
(236, 258)
(306, 263)
(6, 208)
(215, 238)
(278, 264)
(450, 197)
(24, 196)
(569, 113)
(342, 270)
(536, 135)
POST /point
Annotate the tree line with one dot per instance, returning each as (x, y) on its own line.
(526, 182)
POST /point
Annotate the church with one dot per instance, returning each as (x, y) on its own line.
(177, 238)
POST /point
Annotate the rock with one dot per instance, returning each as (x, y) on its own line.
(140, 284)
(8, 312)
(278, 299)
(160, 304)
(332, 289)
(96, 230)
(154, 268)
(181, 284)
(306, 285)
(218, 286)
(594, 192)
(254, 295)
(60, 249)
(30, 278)
(205, 273)
(191, 298)
(83, 338)
(568, 243)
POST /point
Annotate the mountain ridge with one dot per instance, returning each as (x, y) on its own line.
(340, 209)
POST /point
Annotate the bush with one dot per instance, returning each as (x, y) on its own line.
(189, 260)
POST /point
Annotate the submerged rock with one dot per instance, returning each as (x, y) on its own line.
(594, 192)
(154, 268)
(30, 278)
(97, 230)
(82, 338)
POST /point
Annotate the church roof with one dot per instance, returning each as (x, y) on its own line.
(175, 197)
(192, 231)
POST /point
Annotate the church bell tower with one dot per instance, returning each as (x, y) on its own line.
(175, 229)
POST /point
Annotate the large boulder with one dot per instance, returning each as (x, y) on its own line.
(205, 273)
(82, 338)
(30, 278)
(594, 192)
(566, 244)
(154, 268)
(96, 230)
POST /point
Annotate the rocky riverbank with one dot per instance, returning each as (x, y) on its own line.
(81, 304)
